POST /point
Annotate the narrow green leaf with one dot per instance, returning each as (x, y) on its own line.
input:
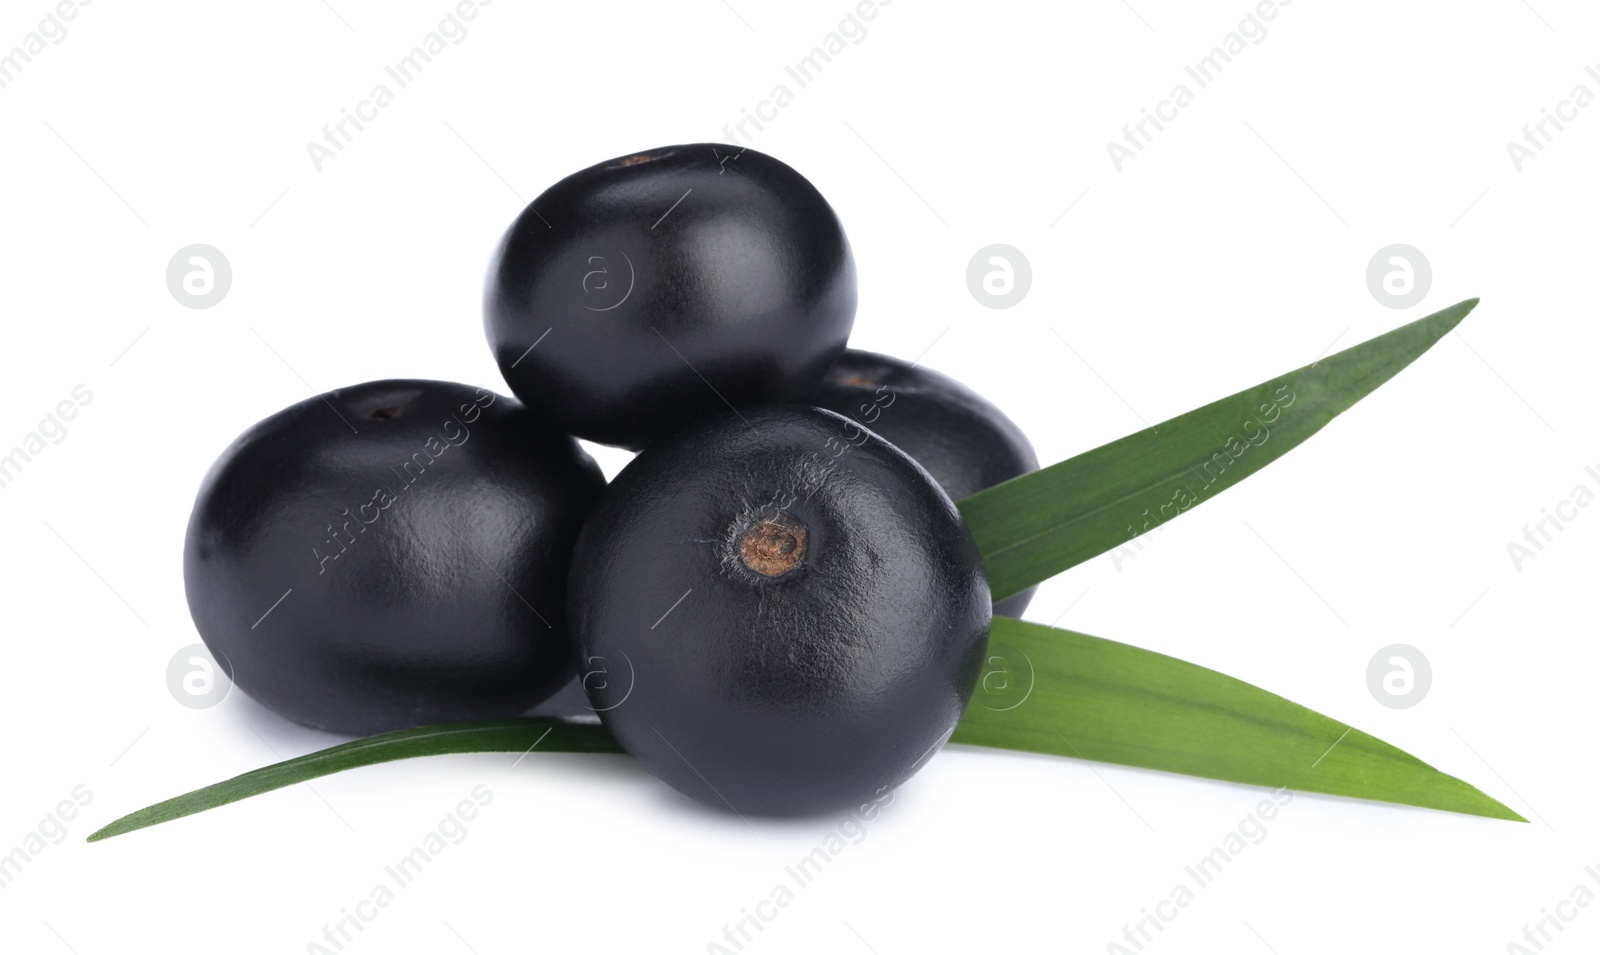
(487, 736)
(1033, 527)
(1077, 695)
(1082, 697)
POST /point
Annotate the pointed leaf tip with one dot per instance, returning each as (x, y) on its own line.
(1070, 694)
(1033, 527)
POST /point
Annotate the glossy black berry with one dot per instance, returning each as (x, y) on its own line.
(788, 614)
(391, 554)
(965, 442)
(645, 292)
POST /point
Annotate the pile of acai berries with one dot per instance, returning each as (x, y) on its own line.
(775, 605)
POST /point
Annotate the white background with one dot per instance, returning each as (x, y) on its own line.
(1234, 248)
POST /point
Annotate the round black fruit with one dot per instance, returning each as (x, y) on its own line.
(786, 614)
(965, 442)
(391, 554)
(648, 291)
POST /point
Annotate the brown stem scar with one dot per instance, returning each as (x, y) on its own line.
(774, 545)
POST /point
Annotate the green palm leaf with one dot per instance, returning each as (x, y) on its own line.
(1071, 694)
(1033, 527)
